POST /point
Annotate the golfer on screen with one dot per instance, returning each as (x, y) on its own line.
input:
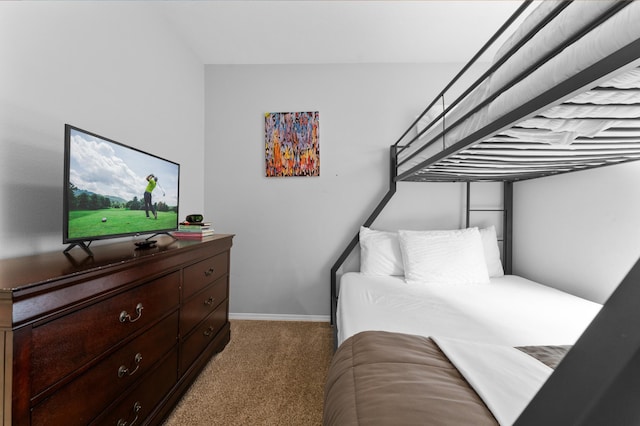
(148, 205)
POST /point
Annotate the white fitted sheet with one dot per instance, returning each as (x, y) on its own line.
(510, 310)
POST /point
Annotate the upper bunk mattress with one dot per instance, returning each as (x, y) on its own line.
(577, 122)
(509, 310)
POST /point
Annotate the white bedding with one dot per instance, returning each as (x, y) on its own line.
(505, 378)
(509, 310)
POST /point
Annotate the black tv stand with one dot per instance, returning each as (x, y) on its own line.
(161, 233)
(82, 245)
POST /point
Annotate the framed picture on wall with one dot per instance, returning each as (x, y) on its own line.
(292, 144)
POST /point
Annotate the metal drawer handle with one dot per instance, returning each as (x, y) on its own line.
(209, 331)
(124, 316)
(208, 272)
(136, 409)
(209, 301)
(123, 370)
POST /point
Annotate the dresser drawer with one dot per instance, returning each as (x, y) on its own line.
(136, 407)
(202, 304)
(78, 402)
(199, 275)
(62, 346)
(202, 336)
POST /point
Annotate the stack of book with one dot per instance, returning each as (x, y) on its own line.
(193, 230)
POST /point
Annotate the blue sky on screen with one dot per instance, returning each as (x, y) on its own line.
(110, 169)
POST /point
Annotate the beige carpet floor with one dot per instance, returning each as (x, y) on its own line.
(271, 373)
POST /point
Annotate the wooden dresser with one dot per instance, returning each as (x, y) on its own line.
(112, 339)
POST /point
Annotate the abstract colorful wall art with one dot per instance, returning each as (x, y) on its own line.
(292, 145)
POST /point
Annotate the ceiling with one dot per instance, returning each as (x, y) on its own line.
(331, 32)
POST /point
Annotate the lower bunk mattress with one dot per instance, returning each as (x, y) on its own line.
(510, 310)
(386, 378)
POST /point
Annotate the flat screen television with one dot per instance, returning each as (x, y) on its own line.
(114, 190)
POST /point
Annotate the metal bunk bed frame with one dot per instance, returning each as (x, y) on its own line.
(606, 393)
(577, 83)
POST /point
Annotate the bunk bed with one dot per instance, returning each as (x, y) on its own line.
(562, 94)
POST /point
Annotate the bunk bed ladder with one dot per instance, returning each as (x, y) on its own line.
(507, 221)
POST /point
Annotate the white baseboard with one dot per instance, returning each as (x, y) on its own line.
(279, 317)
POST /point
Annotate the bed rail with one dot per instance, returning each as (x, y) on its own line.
(461, 73)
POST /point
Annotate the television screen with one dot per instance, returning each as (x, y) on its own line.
(114, 190)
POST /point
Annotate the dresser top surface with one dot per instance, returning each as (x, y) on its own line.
(16, 273)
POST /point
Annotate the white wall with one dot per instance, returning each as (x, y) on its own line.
(289, 231)
(113, 68)
(579, 232)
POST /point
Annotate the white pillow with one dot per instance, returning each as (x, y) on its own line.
(447, 257)
(380, 253)
(491, 251)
